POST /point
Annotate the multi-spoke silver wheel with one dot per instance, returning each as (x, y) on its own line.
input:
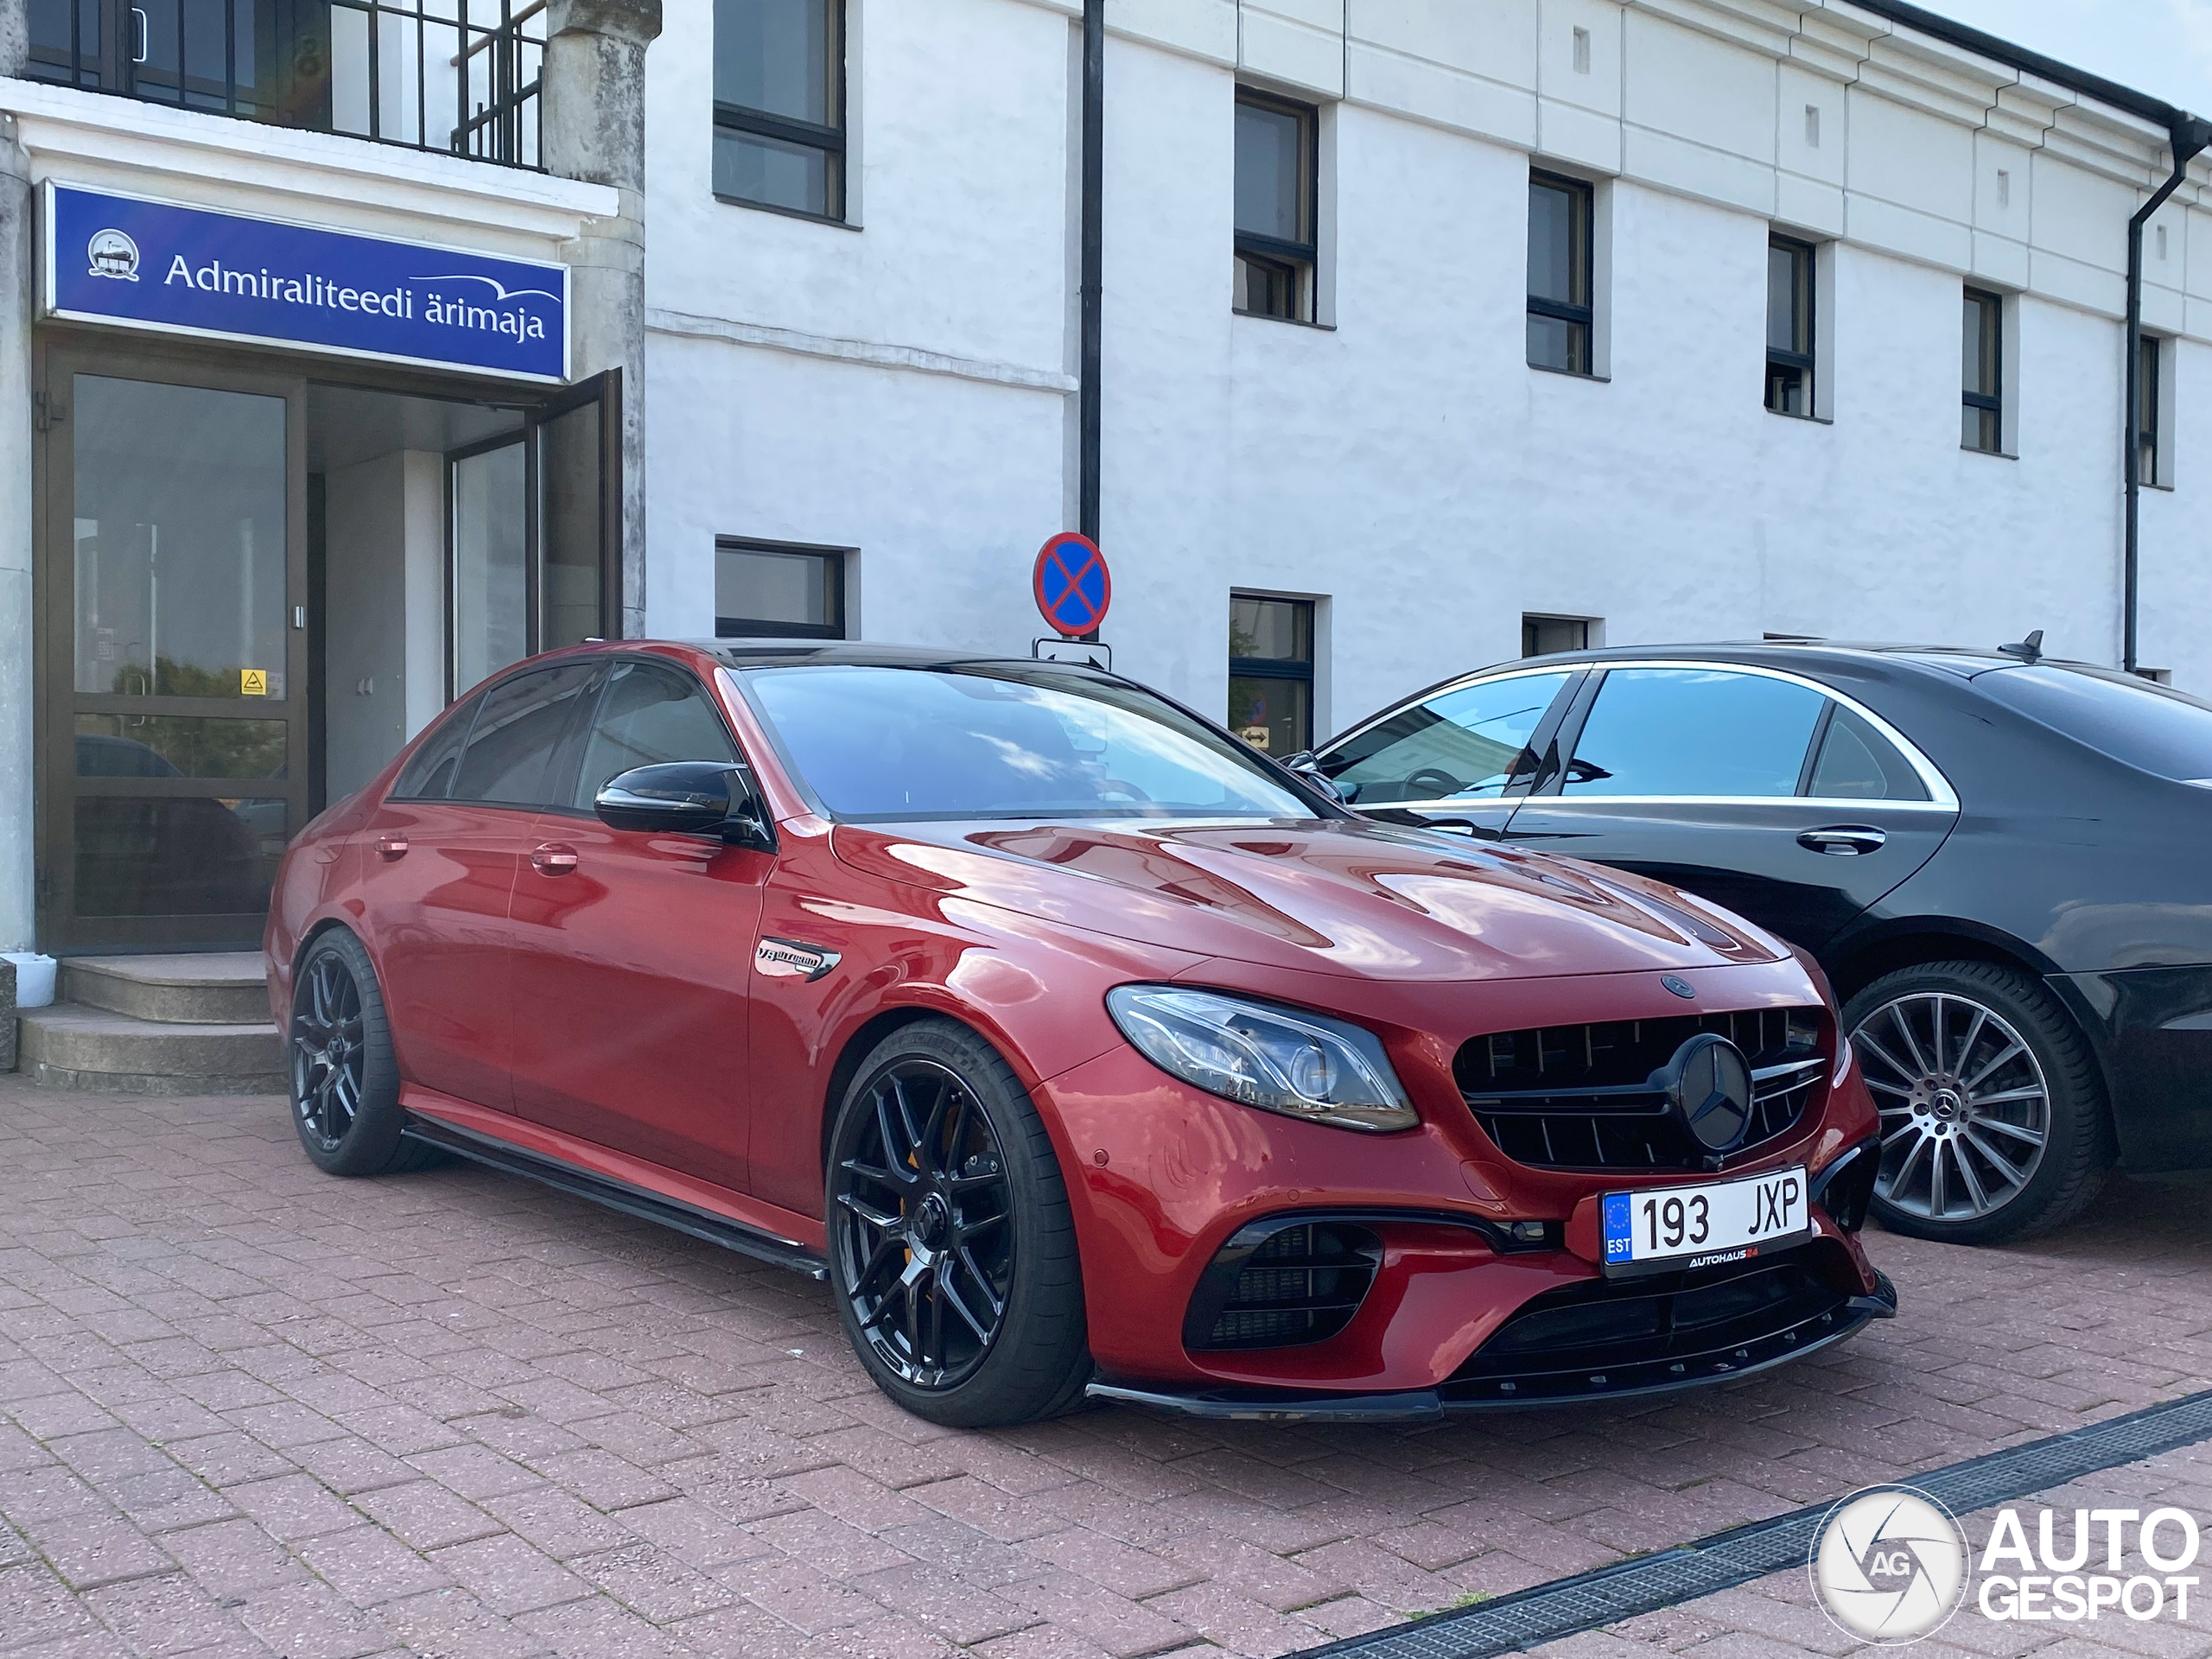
(328, 1050)
(1965, 1105)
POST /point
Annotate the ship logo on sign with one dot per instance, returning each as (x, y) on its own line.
(112, 253)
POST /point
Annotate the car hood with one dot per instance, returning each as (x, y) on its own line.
(1347, 897)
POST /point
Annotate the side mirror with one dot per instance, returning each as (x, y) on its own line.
(1307, 766)
(685, 797)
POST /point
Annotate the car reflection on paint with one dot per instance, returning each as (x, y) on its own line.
(1079, 1049)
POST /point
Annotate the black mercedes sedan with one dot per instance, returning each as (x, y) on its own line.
(1999, 859)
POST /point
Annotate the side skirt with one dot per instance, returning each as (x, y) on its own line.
(618, 1195)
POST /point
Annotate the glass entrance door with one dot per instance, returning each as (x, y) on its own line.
(175, 736)
(536, 553)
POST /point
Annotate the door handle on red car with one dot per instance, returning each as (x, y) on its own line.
(1844, 839)
(554, 858)
(392, 846)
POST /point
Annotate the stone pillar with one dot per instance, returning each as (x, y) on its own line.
(594, 122)
(17, 264)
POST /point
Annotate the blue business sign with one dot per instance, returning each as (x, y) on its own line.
(192, 270)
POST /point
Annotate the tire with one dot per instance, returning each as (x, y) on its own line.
(935, 1138)
(345, 1080)
(1969, 1063)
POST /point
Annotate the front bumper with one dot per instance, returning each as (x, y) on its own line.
(1540, 1358)
(1164, 1179)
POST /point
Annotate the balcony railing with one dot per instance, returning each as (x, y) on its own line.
(457, 76)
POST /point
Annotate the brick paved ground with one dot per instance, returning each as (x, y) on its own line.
(246, 1409)
(1777, 1619)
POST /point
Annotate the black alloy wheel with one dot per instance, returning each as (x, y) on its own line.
(1993, 1119)
(345, 1079)
(952, 1251)
(328, 1054)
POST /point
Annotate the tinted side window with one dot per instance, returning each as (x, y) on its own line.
(521, 723)
(427, 775)
(648, 716)
(1693, 731)
(1857, 763)
(1465, 742)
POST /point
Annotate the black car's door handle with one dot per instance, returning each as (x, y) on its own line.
(1844, 839)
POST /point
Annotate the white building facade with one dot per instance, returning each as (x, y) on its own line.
(1433, 331)
(902, 382)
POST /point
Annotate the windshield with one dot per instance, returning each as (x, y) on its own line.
(1005, 740)
(2136, 722)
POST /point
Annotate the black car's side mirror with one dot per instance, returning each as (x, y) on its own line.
(1307, 766)
(685, 797)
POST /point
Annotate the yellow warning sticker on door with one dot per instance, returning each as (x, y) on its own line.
(253, 682)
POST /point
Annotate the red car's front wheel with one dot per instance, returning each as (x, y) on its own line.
(952, 1252)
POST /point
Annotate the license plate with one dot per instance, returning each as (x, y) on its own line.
(1705, 1225)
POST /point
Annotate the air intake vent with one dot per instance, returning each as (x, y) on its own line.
(1582, 1097)
(1281, 1283)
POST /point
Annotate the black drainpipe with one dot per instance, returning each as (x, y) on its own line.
(2189, 136)
(1093, 274)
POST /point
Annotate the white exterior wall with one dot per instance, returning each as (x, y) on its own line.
(906, 388)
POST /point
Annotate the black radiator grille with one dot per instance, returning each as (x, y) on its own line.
(1582, 1097)
(1303, 1284)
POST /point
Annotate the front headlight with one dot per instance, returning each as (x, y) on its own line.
(1278, 1059)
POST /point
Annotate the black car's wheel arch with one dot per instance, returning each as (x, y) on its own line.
(1858, 958)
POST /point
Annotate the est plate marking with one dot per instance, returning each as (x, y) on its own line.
(1704, 1225)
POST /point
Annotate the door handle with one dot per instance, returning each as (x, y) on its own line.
(392, 846)
(140, 35)
(554, 858)
(1844, 839)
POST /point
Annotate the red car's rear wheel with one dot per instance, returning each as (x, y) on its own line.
(951, 1249)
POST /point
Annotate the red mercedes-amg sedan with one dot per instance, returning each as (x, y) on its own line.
(1078, 1047)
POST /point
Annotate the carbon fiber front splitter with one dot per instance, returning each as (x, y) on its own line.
(1667, 1374)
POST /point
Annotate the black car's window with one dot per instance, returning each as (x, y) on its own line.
(518, 726)
(2151, 727)
(1695, 732)
(1857, 763)
(1007, 740)
(648, 716)
(427, 775)
(1469, 740)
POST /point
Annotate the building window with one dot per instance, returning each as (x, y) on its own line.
(779, 105)
(2147, 404)
(1559, 317)
(1789, 327)
(1278, 170)
(1271, 672)
(1982, 420)
(774, 590)
(1543, 635)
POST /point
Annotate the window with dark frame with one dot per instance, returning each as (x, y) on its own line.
(1789, 327)
(1560, 319)
(1271, 672)
(773, 590)
(1982, 396)
(1543, 635)
(2146, 411)
(779, 105)
(1278, 171)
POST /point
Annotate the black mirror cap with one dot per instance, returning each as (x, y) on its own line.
(687, 797)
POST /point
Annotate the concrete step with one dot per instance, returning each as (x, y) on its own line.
(71, 1046)
(217, 989)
